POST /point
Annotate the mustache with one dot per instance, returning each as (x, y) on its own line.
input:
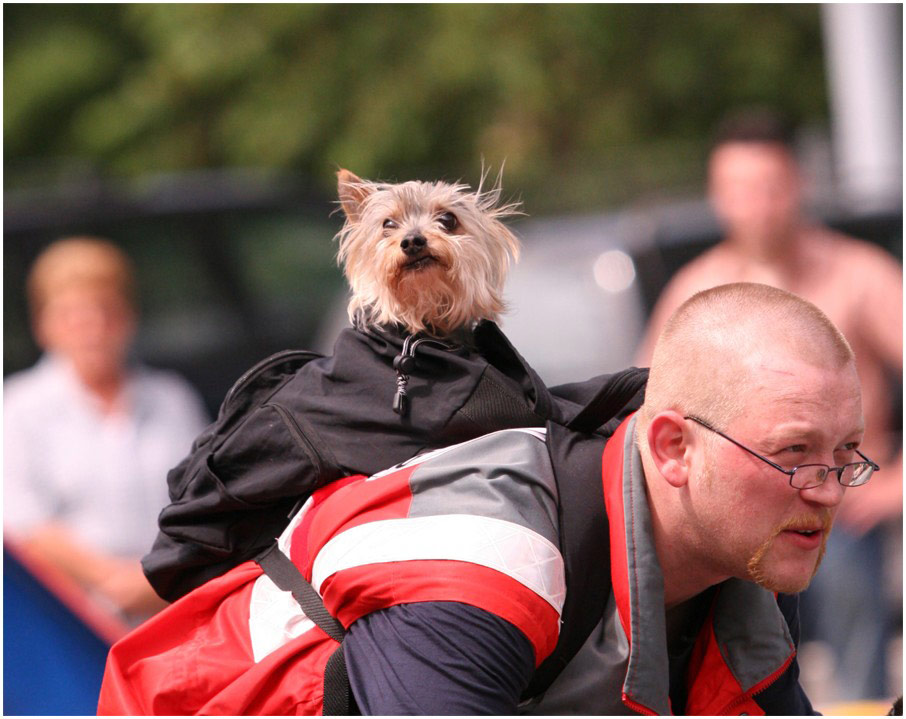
(822, 520)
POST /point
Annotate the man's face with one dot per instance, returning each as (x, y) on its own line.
(751, 523)
(754, 188)
(90, 325)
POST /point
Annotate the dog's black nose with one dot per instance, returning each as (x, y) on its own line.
(413, 243)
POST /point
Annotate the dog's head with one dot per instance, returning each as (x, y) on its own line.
(431, 257)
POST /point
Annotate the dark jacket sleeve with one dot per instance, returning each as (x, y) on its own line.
(437, 658)
(786, 696)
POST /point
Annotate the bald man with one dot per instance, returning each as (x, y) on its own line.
(711, 507)
(756, 190)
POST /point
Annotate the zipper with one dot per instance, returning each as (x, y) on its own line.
(405, 363)
(636, 707)
(297, 433)
(264, 364)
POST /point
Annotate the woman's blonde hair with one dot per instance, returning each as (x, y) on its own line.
(79, 261)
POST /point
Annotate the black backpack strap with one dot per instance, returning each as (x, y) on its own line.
(338, 699)
(584, 544)
(614, 394)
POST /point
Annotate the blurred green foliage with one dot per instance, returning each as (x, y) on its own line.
(589, 105)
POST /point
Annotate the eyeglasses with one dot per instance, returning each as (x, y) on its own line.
(806, 476)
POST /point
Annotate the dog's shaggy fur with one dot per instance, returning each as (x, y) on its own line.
(431, 257)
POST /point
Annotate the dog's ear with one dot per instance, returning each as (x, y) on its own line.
(353, 191)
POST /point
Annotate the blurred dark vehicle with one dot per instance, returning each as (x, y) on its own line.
(235, 266)
(231, 266)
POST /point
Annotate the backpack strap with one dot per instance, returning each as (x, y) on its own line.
(576, 449)
(584, 545)
(613, 395)
(338, 699)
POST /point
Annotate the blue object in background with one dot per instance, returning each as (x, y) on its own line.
(53, 662)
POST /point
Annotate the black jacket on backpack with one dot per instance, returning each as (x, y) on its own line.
(298, 420)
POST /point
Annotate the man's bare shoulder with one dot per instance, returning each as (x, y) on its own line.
(715, 266)
(851, 252)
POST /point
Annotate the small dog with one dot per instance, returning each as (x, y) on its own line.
(429, 257)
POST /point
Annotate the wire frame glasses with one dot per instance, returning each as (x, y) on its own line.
(806, 476)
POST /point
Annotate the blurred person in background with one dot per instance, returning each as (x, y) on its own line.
(88, 436)
(755, 188)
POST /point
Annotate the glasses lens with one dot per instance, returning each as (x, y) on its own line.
(855, 474)
(809, 475)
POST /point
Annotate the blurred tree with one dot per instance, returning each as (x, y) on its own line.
(588, 104)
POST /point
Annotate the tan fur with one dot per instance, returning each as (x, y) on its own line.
(464, 285)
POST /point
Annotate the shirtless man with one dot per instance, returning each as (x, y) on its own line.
(755, 188)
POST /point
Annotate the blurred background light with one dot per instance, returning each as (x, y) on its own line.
(614, 271)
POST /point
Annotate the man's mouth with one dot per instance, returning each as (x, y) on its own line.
(805, 538)
(805, 532)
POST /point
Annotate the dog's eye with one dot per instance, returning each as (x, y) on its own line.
(448, 221)
(389, 224)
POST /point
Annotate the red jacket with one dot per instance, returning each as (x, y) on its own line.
(238, 645)
(450, 526)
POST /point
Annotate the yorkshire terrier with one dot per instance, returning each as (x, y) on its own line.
(430, 257)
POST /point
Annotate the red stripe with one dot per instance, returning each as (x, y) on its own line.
(612, 476)
(349, 505)
(298, 548)
(353, 593)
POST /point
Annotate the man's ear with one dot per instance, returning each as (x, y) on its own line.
(668, 440)
(352, 191)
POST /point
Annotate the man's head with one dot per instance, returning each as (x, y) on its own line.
(81, 296)
(769, 370)
(754, 183)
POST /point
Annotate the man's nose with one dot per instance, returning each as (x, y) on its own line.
(828, 494)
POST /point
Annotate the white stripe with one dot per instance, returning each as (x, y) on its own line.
(509, 548)
(275, 618)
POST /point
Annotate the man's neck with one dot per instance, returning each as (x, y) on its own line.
(686, 572)
(781, 252)
(107, 389)
(682, 580)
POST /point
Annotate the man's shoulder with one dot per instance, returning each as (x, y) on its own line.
(710, 268)
(518, 446)
(475, 523)
(848, 250)
(506, 475)
(28, 388)
(161, 378)
(163, 386)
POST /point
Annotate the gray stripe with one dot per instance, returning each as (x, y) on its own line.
(647, 678)
(506, 475)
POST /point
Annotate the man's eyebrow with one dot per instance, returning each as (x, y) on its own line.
(788, 433)
(782, 435)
